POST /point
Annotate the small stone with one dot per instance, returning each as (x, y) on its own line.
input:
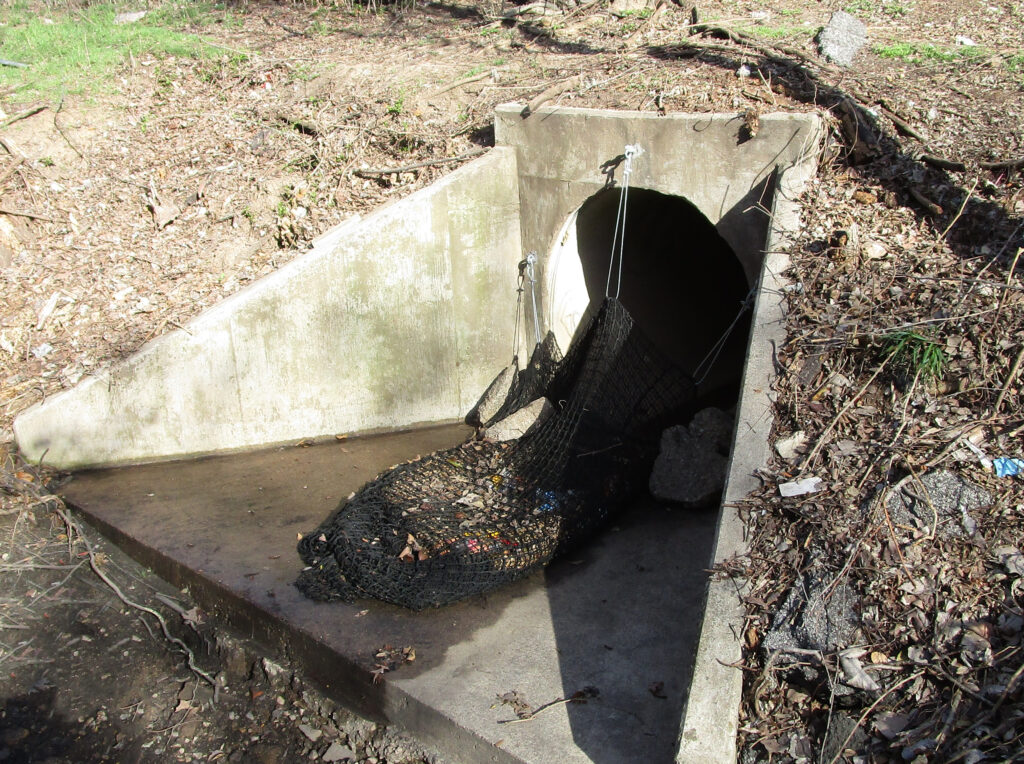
(843, 734)
(792, 446)
(130, 17)
(940, 502)
(874, 251)
(1011, 559)
(840, 40)
(814, 615)
(338, 752)
(310, 732)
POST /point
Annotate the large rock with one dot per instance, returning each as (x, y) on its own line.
(941, 501)
(691, 466)
(525, 420)
(493, 398)
(812, 617)
(842, 38)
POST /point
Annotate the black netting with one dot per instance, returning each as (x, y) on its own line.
(468, 519)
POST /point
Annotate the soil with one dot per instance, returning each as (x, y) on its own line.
(123, 214)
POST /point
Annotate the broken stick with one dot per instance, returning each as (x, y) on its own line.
(373, 173)
(23, 115)
(551, 92)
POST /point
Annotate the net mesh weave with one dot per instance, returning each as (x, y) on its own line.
(468, 519)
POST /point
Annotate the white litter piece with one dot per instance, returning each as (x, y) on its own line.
(800, 487)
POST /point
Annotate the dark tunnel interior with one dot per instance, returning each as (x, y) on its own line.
(681, 281)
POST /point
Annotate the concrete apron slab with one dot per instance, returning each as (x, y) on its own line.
(621, 616)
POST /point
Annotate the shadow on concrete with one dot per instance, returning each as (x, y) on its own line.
(631, 632)
(607, 616)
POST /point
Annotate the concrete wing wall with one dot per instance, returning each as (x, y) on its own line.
(399, 318)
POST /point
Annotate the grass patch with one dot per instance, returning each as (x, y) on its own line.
(894, 10)
(915, 53)
(914, 355)
(781, 32)
(77, 50)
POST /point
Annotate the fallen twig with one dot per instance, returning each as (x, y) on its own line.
(842, 412)
(942, 163)
(659, 9)
(372, 173)
(16, 64)
(60, 129)
(769, 51)
(901, 124)
(925, 202)
(956, 166)
(460, 83)
(10, 171)
(550, 92)
(1002, 297)
(23, 115)
(23, 214)
(1009, 380)
(869, 710)
(1005, 164)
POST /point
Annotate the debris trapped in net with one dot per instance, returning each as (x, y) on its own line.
(466, 520)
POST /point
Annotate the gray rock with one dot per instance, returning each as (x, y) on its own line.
(812, 619)
(338, 752)
(691, 465)
(840, 40)
(792, 446)
(493, 398)
(626, 6)
(525, 420)
(941, 499)
(839, 728)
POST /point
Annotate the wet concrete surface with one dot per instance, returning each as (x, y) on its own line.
(621, 616)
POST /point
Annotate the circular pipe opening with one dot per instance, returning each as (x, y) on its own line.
(681, 281)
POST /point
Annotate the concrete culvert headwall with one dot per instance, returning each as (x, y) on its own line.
(680, 280)
(403, 317)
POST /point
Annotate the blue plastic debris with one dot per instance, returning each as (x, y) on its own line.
(551, 501)
(1007, 467)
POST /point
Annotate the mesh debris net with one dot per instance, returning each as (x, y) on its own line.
(469, 519)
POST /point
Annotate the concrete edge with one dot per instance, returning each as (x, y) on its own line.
(329, 671)
(515, 109)
(710, 723)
